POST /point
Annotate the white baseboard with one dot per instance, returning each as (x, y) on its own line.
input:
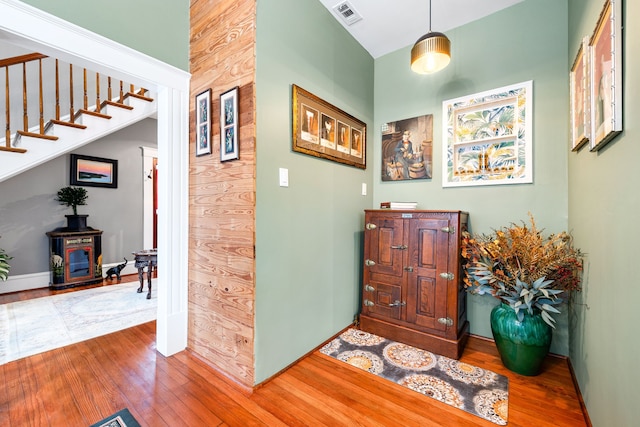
(25, 282)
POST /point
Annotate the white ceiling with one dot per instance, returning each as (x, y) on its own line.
(388, 25)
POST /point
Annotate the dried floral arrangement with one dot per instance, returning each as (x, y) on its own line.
(523, 269)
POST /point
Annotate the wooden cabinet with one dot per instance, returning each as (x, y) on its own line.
(412, 290)
(75, 257)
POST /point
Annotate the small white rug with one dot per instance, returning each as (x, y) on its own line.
(38, 325)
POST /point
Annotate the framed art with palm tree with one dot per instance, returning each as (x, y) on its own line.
(487, 137)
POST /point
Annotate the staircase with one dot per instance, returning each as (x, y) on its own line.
(38, 87)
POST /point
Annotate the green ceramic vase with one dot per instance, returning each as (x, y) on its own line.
(522, 345)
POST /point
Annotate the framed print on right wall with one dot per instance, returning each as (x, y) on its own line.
(606, 75)
(580, 100)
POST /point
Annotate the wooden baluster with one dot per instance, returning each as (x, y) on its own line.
(72, 115)
(7, 142)
(40, 97)
(57, 92)
(97, 92)
(132, 89)
(8, 114)
(25, 116)
(121, 100)
(86, 99)
(109, 88)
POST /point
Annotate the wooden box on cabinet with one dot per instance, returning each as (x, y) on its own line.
(412, 290)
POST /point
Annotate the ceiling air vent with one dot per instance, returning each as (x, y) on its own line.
(347, 13)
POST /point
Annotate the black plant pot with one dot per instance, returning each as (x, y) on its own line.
(76, 222)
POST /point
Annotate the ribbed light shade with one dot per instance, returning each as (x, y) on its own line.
(431, 53)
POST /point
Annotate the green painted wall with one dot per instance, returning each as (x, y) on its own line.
(308, 235)
(603, 211)
(500, 50)
(159, 28)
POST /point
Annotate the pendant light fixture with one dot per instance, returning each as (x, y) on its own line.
(431, 53)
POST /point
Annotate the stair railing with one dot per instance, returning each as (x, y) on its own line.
(6, 63)
(73, 114)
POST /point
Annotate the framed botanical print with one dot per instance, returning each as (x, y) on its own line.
(229, 125)
(488, 137)
(203, 123)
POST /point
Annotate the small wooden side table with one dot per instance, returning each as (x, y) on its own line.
(147, 258)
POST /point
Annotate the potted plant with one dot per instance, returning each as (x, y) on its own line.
(74, 197)
(530, 275)
(4, 264)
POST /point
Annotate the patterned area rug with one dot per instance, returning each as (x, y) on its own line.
(121, 418)
(474, 390)
(38, 325)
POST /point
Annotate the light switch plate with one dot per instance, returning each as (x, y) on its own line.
(284, 177)
(364, 188)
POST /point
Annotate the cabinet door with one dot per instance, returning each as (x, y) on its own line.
(384, 248)
(382, 298)
(428, 285)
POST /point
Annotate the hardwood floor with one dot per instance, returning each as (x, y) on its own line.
(82, 383)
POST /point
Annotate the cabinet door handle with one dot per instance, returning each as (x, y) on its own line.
(369, 303)
(448, 276)
(369, 288)
(369, 263)
(371, 226)
(409, 269)
(401, 247)
(450, 230)
(397, 304)
(445, 321)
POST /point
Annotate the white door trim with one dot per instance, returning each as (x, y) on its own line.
(39, 31)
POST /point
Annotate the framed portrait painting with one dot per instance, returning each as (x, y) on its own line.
(407, 147)
(229, 125)
(606, 75)
(203, 123)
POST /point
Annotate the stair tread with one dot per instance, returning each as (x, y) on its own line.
(73, 125)
(117, 104)
(38, 135)
(93, 113)
(12, 149)
(135, 95)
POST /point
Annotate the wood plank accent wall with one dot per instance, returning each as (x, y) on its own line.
(222, 194)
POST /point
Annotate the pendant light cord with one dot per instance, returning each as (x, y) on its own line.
(429, 15)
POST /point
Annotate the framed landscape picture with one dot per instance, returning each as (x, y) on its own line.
(92, 171)
(323, 130)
